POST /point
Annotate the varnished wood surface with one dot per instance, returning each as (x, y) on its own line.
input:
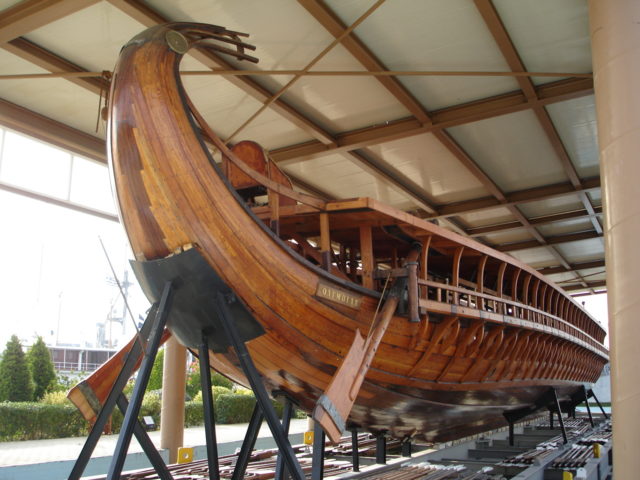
(451, 374)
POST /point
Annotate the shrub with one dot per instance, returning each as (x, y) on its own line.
(55, 398)
(234, 408)
(193, 414)
(34, 421)
(41, 367)
(220, 380)
(216, 390)
(15, 378)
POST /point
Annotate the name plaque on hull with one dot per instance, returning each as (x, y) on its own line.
(337, 295)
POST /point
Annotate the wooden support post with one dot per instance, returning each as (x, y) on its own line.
(366, 256)
(412, 287)
(325, 241)
(424, 262)
(274, 207)
(455, 272)
(480, 280)
(500, 286)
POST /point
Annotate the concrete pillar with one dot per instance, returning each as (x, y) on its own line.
(174, 378)
(615, 38)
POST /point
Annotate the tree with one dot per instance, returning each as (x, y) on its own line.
(15, 379)
(42, 371)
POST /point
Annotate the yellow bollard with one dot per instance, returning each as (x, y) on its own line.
(597, 450)
(567, 476)
(185, 454)
(308, 438)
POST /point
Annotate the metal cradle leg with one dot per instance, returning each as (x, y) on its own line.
(355, 454)
(557, 407)
(249, 369)
(381, 448)
(145, 442)
(209, 414)
(248, 443)
(317, 468)
(592, 394)
(406, 447)
(586, 402)
(112, 398)
(130, 418)
(286, 422)
(511, 435)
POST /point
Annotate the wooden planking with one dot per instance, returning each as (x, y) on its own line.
(164, 175)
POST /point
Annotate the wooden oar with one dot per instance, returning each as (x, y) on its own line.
(334, 405)
(90, 394)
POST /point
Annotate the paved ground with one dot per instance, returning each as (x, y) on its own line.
(39, 451)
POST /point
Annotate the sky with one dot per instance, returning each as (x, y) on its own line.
(56, 281)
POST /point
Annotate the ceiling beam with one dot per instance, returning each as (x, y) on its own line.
(330, 21)
(327, 18)
(501, 36)
(573, 267)
(43, 58)
(443, 118)
(590, 285)
(29, 15)
(520, 196)
(555, 240)
(149, 17)
(542, 220)
(51, 131)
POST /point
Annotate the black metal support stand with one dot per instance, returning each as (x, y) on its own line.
(205, 315)
(511, 434)
(131, 416)
(355, 453)
(284, 446)
(381, 448)
(145, 442)
(557, 407)
(592, 394)
(586, 402)
(286, 422)
(551, 414)
(116, 397)
(209, 413)
(406, 447)
(248, 443)
(317, 462)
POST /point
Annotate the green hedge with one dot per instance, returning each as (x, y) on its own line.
(33, 421)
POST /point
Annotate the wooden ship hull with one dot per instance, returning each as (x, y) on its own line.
(467, 335)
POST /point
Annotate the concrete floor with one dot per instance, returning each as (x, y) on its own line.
(60, 449)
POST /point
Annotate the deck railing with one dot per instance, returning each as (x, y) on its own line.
(498, 309)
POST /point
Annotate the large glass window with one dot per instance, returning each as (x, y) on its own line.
(35, 166)
(90, 185)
